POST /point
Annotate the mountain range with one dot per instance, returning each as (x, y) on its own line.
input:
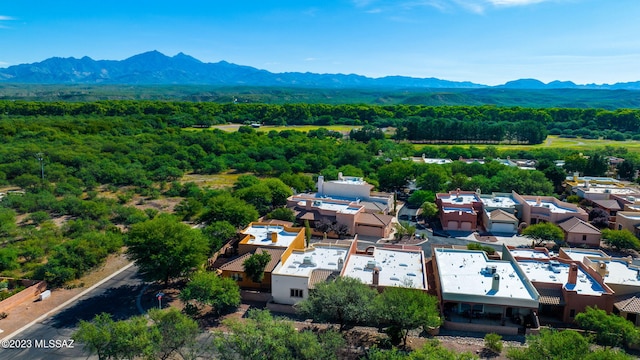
(153, 67)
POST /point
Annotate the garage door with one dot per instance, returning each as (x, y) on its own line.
(503, 228)
(452, 225)
(466, 225)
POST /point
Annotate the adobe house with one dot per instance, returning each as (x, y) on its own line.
(480, 294)
(537, 209)
(566, 286)
(277, 240)
(629, 220)
(353, 215)
(580, 233)
(459, 210)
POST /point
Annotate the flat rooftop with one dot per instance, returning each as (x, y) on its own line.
(399, 268)
(499, 202)
(262, 235)
(620, 272)
(350, 180)
(328, 204)
(302, 263)
(558, 273)
(579, 254)
(436, 161)
(608, 189)
(629, 215)
(449, 209)
(551, 206)
(459, 199)
(467, 275)
(529, 254)
(594, 178)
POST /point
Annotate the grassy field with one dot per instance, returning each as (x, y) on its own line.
(303, 128)
(554, 142)
(216, 181)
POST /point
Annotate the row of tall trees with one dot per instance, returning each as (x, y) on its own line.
(184, 114)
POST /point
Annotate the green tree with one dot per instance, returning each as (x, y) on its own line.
(345, 301)
(432, 178)
(493, 342)
(207, 288)
(9, 259)
(394, 176)
(419, 197)
(255, 264)
(627, 169)
(608, 329)
(560, 345)
(429, 210)
(7, 222)
(575, 163)
(403, 309)
(218, 234)
(432, 349)
(174, 333)
(620, 239)
(542, 232)
(126, 339)
(552, 345)
(164, 248)
(225, 207)
(263, 337)
(597, 165)
(96, 336)
(282, 213)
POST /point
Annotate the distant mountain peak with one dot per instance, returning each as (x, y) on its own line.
(154, 67)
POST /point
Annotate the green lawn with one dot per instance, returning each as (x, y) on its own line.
(554, 142)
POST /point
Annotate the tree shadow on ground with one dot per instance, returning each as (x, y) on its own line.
(120, 302)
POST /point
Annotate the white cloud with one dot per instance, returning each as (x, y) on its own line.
(474, 6)
(5, 18)
(310, 59)
(515, 2)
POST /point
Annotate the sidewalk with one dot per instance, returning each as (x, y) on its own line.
(27, 312)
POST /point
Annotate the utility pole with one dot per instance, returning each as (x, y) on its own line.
(40, 157)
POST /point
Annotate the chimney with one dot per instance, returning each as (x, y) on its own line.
(602, 268)
(340, 176)
(274, 237)
(575, 176)
(376, 276)
(308, 204)
(320, 184)
(573, 274)
(340, 264)
(495, 283)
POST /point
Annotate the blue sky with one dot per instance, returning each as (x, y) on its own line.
(484, 41)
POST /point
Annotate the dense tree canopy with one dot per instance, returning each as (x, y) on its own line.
(263, 337)
(207, 288)
(545, 231)
(608, 329)
(345, 301)
(164, 248)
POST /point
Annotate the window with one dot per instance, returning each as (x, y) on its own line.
(236, 277)
(619, 226)
(572, 313)
(584, 237)
(297, 293)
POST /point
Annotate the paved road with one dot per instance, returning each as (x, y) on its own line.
(116, 296)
